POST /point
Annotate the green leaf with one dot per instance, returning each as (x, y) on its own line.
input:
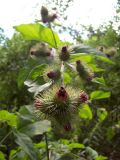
(85, 112)
(81, 48)
(37, 72)
(36, 128)
(10, 118)
(102, 113)
(67, 78)
(70, 156)
(26, 144)
(99, 95)
(40, 145)
(101, 158)
(110, 133)
(22, 77)
(38, 32)
(35, 88)
(76, 145)
(25, 116)
(81, 56)
(64, 141)
(18, 155)
(91, 152)
(2, 156)
(99, 80)
(103, 59)
(95, 68)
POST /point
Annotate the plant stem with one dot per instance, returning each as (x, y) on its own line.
(94, 130)
(47, 150)
(62, 73)
(5, 137)
(53, 35)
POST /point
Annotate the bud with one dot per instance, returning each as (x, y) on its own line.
(51, 75)
(67, 127)
(44, 11)
(44, 14)
(64, 49)
(52, 72)
(84, 72)
(40, 50)
(79, 66)
(46, 17)
(64, 54)
(78, 62)
(83, 97)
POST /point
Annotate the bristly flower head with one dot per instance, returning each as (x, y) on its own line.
(41, 50)
(60, 104)
(84, 72)
(52, 72)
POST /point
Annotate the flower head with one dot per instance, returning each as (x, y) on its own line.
(59, 103)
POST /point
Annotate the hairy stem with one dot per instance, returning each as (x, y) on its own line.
(62, 73)
(47, 150)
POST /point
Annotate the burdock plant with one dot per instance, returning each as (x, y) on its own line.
(53, 81)
(60, 102)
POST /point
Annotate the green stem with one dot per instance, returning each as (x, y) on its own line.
(62, 73)
(5, 137)
(47, 150)
(53, 35)
(94, 130)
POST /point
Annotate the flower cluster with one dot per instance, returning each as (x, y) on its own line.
(61, 104)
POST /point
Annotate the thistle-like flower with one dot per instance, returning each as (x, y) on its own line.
(40, 50)
(52, 72)
(60, 104)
